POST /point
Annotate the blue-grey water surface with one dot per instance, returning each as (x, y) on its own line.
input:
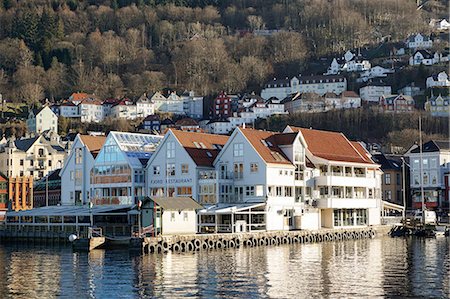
(380, 267)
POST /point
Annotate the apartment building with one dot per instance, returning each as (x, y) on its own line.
(77, 168)
(299, 179)
(183, 166)
(34, 157)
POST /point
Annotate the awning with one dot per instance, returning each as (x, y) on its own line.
(229, 209)
(176, 203)
(71, 211)
(392, 206)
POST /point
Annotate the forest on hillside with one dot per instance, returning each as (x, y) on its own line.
(116, 48)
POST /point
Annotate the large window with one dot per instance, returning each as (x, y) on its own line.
(238, 149)
(253, 167)
(387, 178)
(184, 191)
(170, 149)
(156, 170)
(350, 217)
(184, 168)
(238, 171)
(78, 155)
(170, 171)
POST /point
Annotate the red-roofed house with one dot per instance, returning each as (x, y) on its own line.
(183, 166)
(298, 179)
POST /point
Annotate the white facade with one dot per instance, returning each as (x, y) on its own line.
(433, 163)
(171, 104)
(373, 92)
(68, 110)
(439, 24)
(375, 72)
(43, 120)
(419, 41)
(182, 166)
(426, 58)
(91, 111)
(34, 157)
(192, 105)
(75, 175)
(441, 80)
(280, 89)
(271, 173)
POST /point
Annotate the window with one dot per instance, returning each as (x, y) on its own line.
(50, 163)
(238, 171)
(172, 216)
(416, 164)
(238, 149)
(182, 191)
(288, 191)
(171, 149)
(21, 162)
(184, 168)
(78, 155)
(170, 171)
(388, 195)
(185, 216)
(399, 182)
(387, 178)
(253, 167)
(278, 191)
(433, 163)
(156, 170)
(425, 178)
(249, 190)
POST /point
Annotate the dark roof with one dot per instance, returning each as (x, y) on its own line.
(387, 162)
(176, 203)
(58, 148)
(167, 121)
(152, 117)
(53, 181)
(25, 144)
(433, 146)
(425, 54)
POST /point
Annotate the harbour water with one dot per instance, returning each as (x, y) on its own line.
(380, 267)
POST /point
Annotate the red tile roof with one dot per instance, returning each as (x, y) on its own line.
(362, 151)
(201, 147)
(265, 143)
(349, 94)
(78, 96)
(332, 146)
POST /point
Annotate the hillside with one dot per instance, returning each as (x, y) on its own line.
(125, 48)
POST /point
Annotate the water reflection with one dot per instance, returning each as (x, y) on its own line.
(381, 267)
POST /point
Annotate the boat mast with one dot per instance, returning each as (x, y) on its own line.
(421, 170)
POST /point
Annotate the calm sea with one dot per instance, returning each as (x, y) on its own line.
(380, 267)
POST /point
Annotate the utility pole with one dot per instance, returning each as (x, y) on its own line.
(421, 170)
(404, 189)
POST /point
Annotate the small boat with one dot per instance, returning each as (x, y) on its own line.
(441, 231)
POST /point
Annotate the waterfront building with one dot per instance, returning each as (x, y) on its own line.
(427, 170)
(35, 156)
(77, 168)
(183, 166)
(47, 191)
(299, 179)
(3, 196)
(41, 120)
(170, 215)
(280, 89)
(20, 193)
(118, 174)
(392, 178)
